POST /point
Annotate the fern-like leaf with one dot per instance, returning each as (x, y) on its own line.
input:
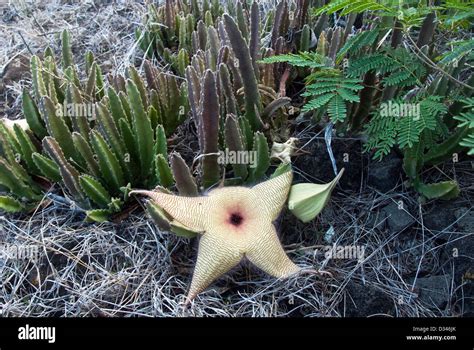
(345, 7)
(404, 124)
(467, 121)
(317, 102)
(337, 108)
(302, 59)
(333, 93)
(356, 43)
(399, 67)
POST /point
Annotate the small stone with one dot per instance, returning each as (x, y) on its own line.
(434, 290)
(375, 219)
(365, 300)
(397, 216)
(460, 251)
(385, 175)
(440, 217)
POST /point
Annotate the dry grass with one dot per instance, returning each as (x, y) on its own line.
(28, 27)
(133, 269)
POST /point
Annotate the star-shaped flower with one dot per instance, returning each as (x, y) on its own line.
(234, 222)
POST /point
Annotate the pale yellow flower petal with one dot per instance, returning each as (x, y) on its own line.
(191, 212)
(215, 258)
(272, 194)
(235, 222)
(265, 251)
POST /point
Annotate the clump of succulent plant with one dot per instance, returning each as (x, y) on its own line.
(96, 141)
(233, 98)
(122, 143)
(171, 30)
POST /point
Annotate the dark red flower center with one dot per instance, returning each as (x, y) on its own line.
(236, 219)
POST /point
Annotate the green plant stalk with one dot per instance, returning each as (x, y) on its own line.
(94, 190)
(241, 51)
(185, 182)
(142, 130)
(234, 141)
(47, 167)
(209, 114)
(109, 165)
(69, 174)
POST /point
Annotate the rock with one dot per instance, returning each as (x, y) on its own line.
(385, 175)
(409, 249)
(375, 219)
(9, 15)
(459, 254)
(440, 217)
(434, 291)
(365, 300)
(461, 251)
(397, 216)
(317, 163)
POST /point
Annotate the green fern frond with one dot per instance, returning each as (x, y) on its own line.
(302, 59)
(400, 78)
(399, 67)
(333, 93)
(408, 12)
(337, 108)
(409, 132)
(404, 124)
(433, 105)
(355, 43)
(348, 95)
(323, 73)
(467, 121)
(326, 87)
(317, 102)
(457, 13)
(387, 141)
(345, 7)
(366, 64)
(468, 142)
